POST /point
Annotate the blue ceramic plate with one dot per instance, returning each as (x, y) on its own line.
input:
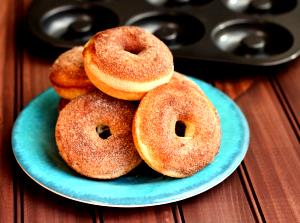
(36, 152)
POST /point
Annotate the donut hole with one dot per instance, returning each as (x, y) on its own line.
(133, 50)
(180, 128)
(184, 129)
(103, 131)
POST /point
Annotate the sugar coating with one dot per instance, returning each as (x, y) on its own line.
(130, 53)
(80, 145)
(68, 71)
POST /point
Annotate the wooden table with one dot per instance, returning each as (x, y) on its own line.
(264, 188)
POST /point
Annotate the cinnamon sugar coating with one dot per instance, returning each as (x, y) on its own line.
(180, 78)
(83, 149)
(68, 76)
(154, 129)
(130, 53)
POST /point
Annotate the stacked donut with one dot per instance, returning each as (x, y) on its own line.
(104, 133)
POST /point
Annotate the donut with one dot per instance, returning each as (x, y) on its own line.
(67, 75)
(126, 62)
(180, 78)
(176, 129)
(93, 135)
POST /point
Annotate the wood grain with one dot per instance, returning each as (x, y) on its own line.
(270, 170)
(35, 76)
(41, 205)
(159, 214)
(226, 202)
(7, 108)
(288, 83)
(289, 80)
(274, 156)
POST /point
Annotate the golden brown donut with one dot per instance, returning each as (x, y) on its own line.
(67, 75)
(180, 78)
(176, 129)
(93, 135)
(126, 62)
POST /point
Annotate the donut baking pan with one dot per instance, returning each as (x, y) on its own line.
(250, 32)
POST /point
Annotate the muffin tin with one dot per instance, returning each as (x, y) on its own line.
(250, 32)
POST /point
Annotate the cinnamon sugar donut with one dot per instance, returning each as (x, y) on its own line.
(93, 135)
(176, 129)
(126, 62)
(180, 78)
(68, 76)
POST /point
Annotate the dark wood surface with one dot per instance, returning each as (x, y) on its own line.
(264, 188)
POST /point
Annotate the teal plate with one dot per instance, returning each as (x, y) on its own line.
(35, 150)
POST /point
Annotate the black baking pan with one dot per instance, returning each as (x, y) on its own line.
(245, 32)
